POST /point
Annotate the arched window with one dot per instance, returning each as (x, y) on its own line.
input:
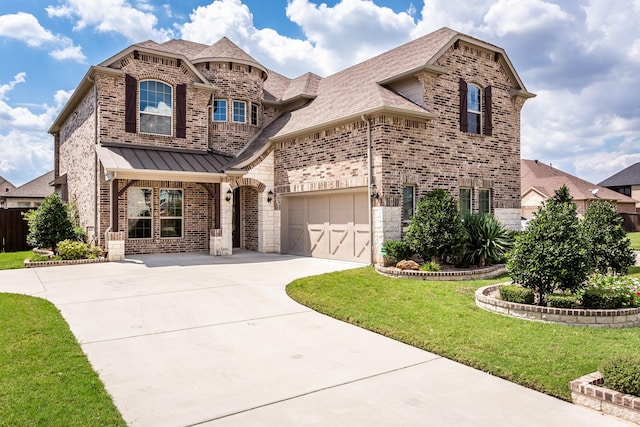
(156, 107)
(474, 109)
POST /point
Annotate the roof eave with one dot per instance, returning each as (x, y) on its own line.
(281, 102)
(159, 175)
(234, 60)
(430, 68)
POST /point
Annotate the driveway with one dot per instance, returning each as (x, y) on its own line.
(189, 339)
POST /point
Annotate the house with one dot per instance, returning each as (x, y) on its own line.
(180, 146)
(29, 195)
(5, 186)
(626, 182)
(539, 181)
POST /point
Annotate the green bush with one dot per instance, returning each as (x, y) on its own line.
(550, 254)
(435, 231)
(517, 294)
(397, 250)
(49, 224)
(430, 266)
(486, 239)
(602, 299)
(562, 301)
(94, 252)
(622, 374)
(70, 249)
(80, 234)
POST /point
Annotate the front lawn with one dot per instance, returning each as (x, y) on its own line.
(635, 240)
(441, 317)
(11, 260)
(46, 378)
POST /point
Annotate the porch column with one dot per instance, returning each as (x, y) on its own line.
(221, 239)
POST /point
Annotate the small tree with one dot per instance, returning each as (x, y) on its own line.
(49, 224)
(607, 243)
(550, 254)
(435, 231)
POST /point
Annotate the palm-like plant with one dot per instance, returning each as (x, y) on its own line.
(486, 239)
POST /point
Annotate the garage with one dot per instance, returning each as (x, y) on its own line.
(333, 226)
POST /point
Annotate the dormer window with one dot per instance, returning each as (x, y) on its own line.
(156, 107)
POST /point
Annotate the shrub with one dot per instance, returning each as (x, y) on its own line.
(70, 249)
(486, 239)
(397, 250)
(602, 299)
(550, 254)
(49, 224)
(435, 231)
(94, 252)
(517, 294)
(612, 289)
(430, 266)
(607, 243)
(562, 300)
(79, 234)
(622, 374)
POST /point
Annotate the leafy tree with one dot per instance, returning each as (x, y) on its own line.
(435, 231)
(486, 239)
(49, 224)
(551, 253)
(607, 242)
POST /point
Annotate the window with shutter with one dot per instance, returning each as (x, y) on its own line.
(131, 112)
(181, 111)
(463, 106)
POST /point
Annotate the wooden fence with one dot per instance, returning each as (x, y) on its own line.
(13, 230)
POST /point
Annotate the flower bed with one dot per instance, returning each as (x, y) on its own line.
(587, 391)
(487, 299)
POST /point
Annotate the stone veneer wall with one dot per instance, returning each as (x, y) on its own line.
(588, 391)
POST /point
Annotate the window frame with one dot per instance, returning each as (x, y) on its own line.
(254, 114)
(142, 113)
(138, 218)
(481, 200)
(461, 207)
(474, 117)
(163, 217)
(244, 111)
(406, 220)
(213, 111)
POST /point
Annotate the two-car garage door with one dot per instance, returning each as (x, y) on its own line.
(334, 226)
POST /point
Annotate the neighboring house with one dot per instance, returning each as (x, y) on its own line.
(5, 186)
(626, 182)
(29, 195)
(540, 181)
(181, 146)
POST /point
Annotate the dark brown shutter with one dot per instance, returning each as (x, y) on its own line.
(131, 95)
(464, 122)
(181, 111)
(488, 126)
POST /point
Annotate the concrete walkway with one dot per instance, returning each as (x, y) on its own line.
(189, 340)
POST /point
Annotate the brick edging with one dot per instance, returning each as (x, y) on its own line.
(475, 274)
(620, 318)
(587, 391)
(35, 264)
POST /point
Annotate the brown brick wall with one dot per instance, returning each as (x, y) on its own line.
(249, 200)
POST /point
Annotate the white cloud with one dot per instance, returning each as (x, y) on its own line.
(70, 52)
(523, 16)
(25, 155)
(13, 117)
(116, 16)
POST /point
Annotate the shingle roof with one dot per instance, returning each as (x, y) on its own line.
(546, 180)
(37, 188)
(5, 186)
(627, 176)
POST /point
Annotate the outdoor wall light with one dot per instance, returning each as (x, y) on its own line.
(269, 196)
(228, 196)
(373, 191)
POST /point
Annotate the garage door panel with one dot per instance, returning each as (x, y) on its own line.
(334, 226)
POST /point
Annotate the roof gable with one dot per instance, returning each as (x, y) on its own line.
(627, 176)
(37, 188)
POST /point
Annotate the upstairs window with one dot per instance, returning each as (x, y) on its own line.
(254, 114)
(156, 107)
(474, 109)
(239, 112)
(220, 110)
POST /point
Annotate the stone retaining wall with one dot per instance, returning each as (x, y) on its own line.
(486, 298)
(587, 391)
(472, 274)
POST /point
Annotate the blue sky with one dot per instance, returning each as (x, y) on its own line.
(581, 57)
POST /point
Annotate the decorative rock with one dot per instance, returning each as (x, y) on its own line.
(408, 265)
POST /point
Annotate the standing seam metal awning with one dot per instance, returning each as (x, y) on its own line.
(139, 162)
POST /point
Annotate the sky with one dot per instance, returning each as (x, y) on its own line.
(581, 58)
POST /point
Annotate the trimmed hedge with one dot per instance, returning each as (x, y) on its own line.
(562, 301)
(602, 299)
(517, 294)
(622, 374)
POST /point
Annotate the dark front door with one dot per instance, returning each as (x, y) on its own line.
(236, 217)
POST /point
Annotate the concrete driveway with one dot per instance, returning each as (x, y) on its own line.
(187, 340)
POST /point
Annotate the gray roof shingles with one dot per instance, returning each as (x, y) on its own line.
(627, 176)
(36, 188)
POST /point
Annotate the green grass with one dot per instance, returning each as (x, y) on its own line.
(441, 317)
(11, 260)
(46, 379)
(635, 240)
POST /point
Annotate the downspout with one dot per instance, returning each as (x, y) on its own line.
(369, 182)
(95, 163)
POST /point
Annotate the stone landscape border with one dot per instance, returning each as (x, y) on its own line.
(34, 264)
(587, 391)
(462, 274)
(486, 298)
